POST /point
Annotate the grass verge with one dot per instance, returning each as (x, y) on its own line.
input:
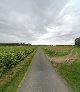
(12, 84)
(53, 53)
(71, 73)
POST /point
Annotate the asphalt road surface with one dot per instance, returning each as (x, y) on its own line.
(42, 77)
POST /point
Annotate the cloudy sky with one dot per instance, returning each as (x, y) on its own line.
(39, 21)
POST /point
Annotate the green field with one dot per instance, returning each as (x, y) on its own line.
(69, 66)
(14, 61)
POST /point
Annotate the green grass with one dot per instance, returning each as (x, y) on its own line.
(12, 85)
(71, 74)
(53, 53)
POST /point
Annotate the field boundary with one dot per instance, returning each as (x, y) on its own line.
(28, 59)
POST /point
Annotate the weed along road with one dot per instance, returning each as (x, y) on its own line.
(41, 77)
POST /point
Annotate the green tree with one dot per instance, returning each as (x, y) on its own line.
(77, 41)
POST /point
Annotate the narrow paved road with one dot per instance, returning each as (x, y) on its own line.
(41, 77)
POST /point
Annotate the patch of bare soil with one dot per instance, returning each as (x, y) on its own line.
(65, 59)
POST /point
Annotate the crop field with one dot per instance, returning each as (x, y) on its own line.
(66, 60)
(15, 60)
(10, 56)
(12, 59)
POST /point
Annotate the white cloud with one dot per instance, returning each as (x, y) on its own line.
(39, 21)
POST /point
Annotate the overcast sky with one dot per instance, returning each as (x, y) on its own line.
(39, 21)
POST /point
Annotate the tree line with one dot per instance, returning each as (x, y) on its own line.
(15, 44)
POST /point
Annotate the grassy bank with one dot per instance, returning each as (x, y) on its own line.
(71, 74)
(57, 51)
(53, 53)
(16, 74)
(69, 71)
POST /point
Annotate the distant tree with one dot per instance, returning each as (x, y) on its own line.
(28, 44)
(77, 41)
